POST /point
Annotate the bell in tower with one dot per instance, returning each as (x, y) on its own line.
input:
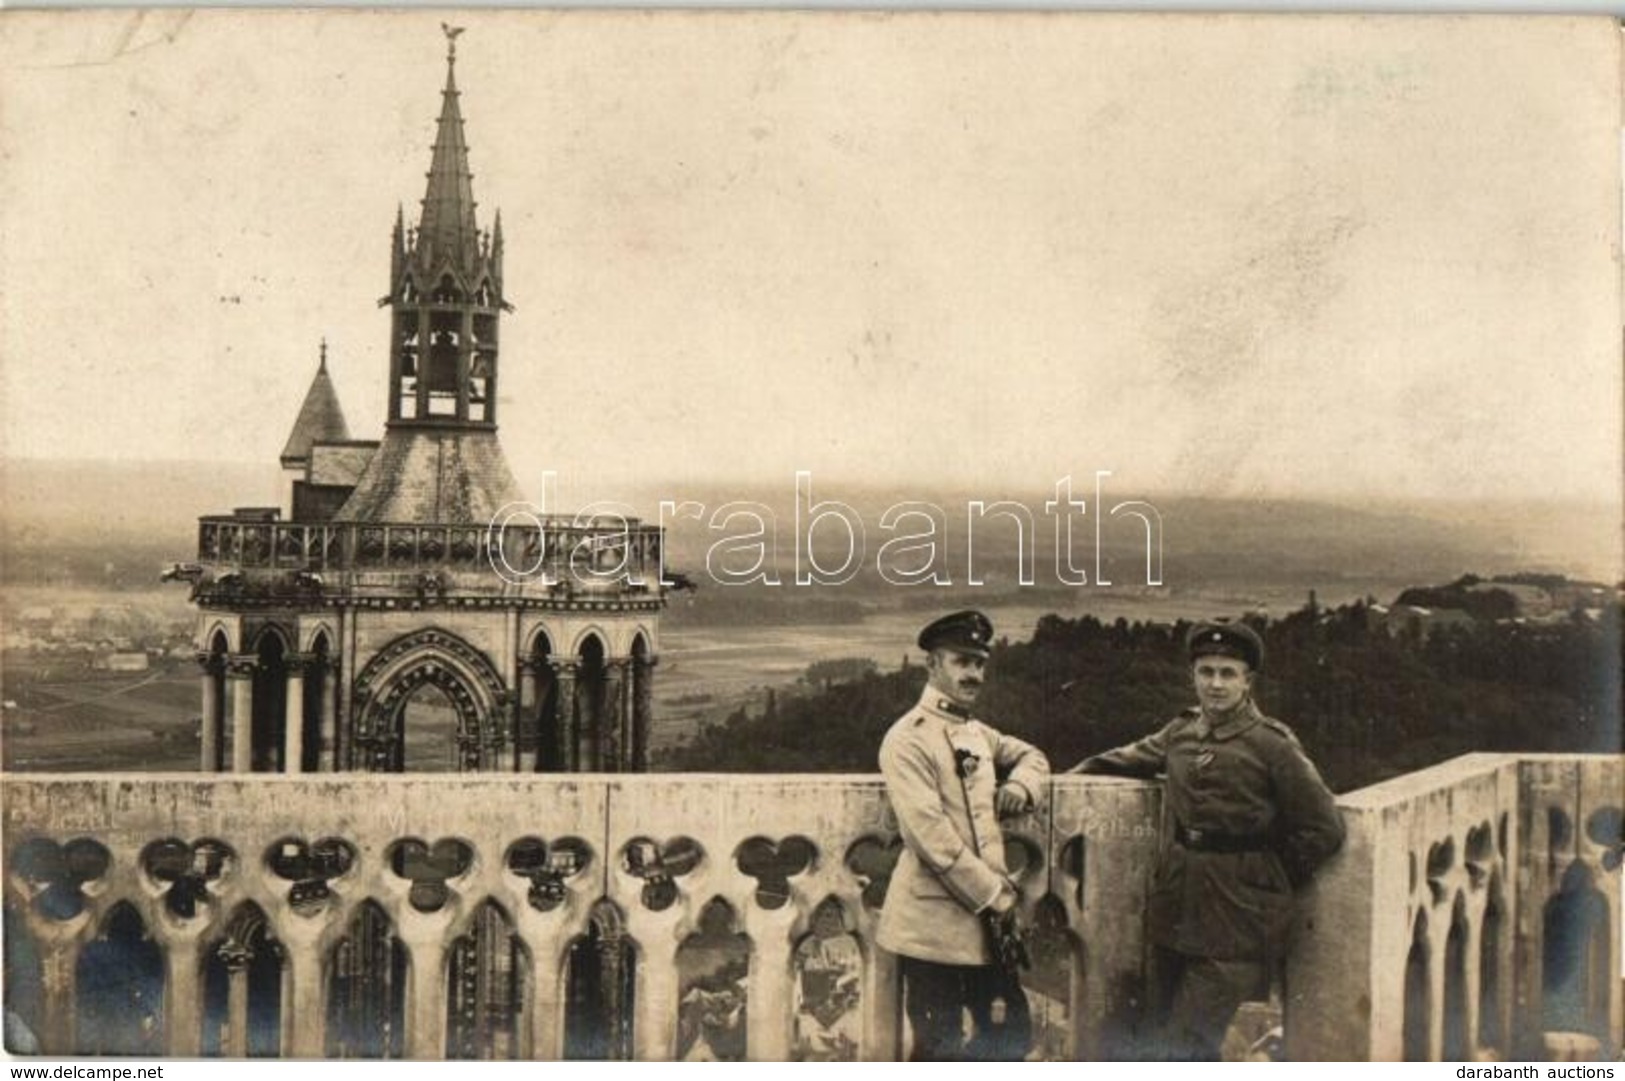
(445, 290)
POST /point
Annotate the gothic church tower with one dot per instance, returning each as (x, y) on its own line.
(372, 630)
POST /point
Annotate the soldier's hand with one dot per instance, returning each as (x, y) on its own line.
(1005, 901)
(1011, 799)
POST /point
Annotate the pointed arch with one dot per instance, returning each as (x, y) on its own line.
(242, 979)
(471, 685)
(1576, 944)
(539, 642)
(1055, 989)
(600, 981)
(1418, 992)
(212, 716)
(543, 717)
(589, 707)
(488, 988)
(366, 987)
(119, 989)
(320, 629)
(828, 969)
(319, 709)
(1456, 1030)
(591, 631)
(713, 993)
(271, 646)
(218, 638)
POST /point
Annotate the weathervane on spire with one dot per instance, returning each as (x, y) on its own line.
(451, 41)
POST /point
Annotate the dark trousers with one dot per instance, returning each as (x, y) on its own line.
(935, 997)
(1194, 1000)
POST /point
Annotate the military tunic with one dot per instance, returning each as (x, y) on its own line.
(941, 882)
(1247, 819)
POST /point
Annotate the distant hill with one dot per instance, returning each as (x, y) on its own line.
(90, 507)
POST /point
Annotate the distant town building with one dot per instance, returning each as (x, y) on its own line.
(122, 662)
(1423, 622)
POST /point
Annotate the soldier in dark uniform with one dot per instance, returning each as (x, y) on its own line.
(950, 778)
(1247, 820)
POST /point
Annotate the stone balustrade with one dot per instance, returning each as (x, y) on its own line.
(667, 916)
(558, 548)
(1475, 909)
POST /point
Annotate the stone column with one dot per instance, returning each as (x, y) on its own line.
(304, 1020)
(183, 999)
(237, 958)
(568, 734)
(426, 1006)
(240, 672)
(768, 1016)
(611, 743)
(293, 712)
(527, 723)
(654, 1031)
(330, 716)
(59, 967)
(545, 1026)
(210, 663)
(643, 679)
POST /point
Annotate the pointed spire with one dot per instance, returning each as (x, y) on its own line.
(447, 227)
(397, 247)
(321, 419)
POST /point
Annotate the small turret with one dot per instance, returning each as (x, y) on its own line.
(320, 420)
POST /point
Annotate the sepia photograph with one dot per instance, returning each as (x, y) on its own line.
(811, 536)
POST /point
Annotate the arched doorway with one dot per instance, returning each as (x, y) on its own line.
(431, 732)
(429, 702)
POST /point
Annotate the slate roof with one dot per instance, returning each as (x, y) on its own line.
(320, 420)
(428, 475)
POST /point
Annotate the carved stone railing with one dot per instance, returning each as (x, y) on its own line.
(557, 549)
(777, 877)
(1474, 913)
(674, 856)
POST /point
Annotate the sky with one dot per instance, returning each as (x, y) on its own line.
(1347, 257)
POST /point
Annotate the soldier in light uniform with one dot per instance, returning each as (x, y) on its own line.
(1247, 820)
(950, 778)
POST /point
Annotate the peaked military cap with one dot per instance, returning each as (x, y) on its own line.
(1226, 640)
(967, 632)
